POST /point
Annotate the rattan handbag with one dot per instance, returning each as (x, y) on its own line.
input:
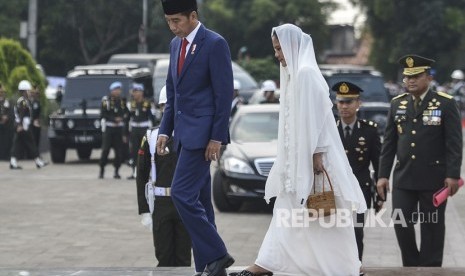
(321, 203)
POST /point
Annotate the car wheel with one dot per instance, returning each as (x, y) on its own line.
(84, 153)
(58, 153)
(220, 188)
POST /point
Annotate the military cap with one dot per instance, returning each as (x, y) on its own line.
(116, 85)
(414, 64)
(171, 7)
(346, 90)
(138, 87)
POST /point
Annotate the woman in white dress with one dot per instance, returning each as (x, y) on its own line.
(308, 142)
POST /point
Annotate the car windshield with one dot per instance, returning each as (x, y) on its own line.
(91, 89)
(372, 86)
(255, 127)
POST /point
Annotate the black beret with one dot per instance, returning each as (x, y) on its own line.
(415, 64)
(346, 90)
(171, 7)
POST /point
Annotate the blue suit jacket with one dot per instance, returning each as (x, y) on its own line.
(199, 99)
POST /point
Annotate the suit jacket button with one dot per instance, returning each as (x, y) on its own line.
(413, 157)
(179, 112)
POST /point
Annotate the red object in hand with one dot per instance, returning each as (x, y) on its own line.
(440, 196)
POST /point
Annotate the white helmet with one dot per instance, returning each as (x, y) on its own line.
(237, 85)
(457, 75)
(24, 85)
(162, 98)
(268, 85)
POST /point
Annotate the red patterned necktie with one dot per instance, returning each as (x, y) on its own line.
(183, 55)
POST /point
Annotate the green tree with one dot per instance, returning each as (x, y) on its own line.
(249, 23)
(430, 28)
(18, 65)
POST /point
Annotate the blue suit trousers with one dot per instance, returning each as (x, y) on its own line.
(191, 194)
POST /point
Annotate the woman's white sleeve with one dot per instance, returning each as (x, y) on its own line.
(323, 141)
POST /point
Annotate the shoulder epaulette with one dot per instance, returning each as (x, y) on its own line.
(445, 95)
(399, 96)
(369, 123)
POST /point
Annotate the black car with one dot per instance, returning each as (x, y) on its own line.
(375, 97)
(241, 172)
(77, 123)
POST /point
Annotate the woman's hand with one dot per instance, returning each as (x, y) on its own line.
(318, 163)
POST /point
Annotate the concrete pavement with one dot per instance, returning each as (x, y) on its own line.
(62, 220)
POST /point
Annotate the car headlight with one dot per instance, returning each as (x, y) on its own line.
(97, 123)
(58, 124)
(235, 165)
(70, 124)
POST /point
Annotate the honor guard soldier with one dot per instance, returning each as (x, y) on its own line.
(362, 145)
(170, 238)
(23, 136)
(424, 132)
(36, 109)
(112, 113)
(140, 119)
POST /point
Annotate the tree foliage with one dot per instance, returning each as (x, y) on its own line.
(17, 64)
(430, 28)
(72, 32)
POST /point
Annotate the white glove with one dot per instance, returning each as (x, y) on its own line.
(147, 220)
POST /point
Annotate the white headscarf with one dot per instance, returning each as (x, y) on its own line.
(306, 123)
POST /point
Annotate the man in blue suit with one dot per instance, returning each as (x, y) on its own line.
(199, 89)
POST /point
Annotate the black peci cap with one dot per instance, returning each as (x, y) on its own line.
(171, 7)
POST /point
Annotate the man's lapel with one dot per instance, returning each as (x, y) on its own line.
(193, 50)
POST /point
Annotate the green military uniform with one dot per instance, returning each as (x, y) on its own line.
(112, 136)
(427, 140)
(140, 119)
(171, 239)
(362, 145)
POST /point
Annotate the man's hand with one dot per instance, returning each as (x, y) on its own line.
(161, 145)
(318, 163)
(213, 151)
(452, 184)
(125, 139)
(381, 186)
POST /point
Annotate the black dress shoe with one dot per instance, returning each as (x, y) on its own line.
(41, 165)
(218, 267)
(116, 176)
(130, 177)
(248, 273)
(15, 167)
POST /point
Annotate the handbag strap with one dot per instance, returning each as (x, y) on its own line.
(329, 180)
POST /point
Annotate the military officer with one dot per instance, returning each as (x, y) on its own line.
(140, 119)
(362, 145)
(112, 113)
(424, 132)
(171, 239)
(23, 138)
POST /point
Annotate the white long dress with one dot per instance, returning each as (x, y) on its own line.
(308, 250)
(297, 246)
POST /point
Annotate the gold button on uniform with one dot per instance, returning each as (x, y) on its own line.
(412, 144)
(414, 120)
(413, 157)
(414, 132)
